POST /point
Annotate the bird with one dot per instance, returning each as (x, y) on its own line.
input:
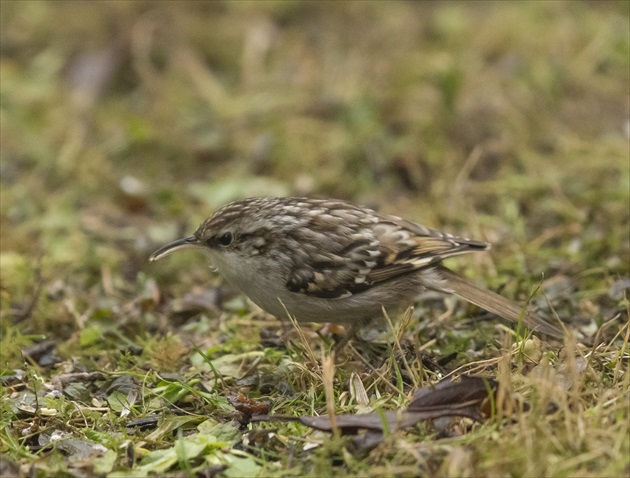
(328, 260)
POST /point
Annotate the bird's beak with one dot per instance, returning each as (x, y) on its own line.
(174, 246)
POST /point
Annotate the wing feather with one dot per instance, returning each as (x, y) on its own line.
(375, 251)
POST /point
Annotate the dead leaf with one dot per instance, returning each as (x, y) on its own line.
(247, 406)
(465, 398)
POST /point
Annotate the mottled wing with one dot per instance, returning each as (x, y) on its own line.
(384, 248)
(408, 247)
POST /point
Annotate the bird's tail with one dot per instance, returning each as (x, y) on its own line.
(497, 304)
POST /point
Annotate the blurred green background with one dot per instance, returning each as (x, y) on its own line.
(125, 124)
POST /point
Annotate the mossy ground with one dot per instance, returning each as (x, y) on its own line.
(124, 124)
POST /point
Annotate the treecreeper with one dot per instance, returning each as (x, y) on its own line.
(326, 260)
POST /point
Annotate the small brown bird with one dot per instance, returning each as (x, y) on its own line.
(330, 261)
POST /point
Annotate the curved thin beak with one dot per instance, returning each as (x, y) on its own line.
(174, 246)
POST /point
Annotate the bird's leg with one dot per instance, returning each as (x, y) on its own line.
(352, 333)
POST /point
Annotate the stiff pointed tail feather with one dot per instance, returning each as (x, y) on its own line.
(497, 304)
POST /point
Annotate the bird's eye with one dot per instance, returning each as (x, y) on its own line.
(226, 239)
